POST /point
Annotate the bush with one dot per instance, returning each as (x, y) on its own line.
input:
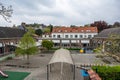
(67, 48)
(9, 58)
(107, 72)
(73, 48)
(96, 51)
(47, 44)
(99, 56)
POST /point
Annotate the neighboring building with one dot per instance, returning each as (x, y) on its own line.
(72, 36)
(74, 32)
(101, 38)
(22, 26)
(41, 26)
(9, 37)
(46, 35)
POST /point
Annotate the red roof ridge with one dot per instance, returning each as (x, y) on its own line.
(75, 29)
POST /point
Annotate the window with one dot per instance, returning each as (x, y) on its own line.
(85, 36)
(76, 36)
(54, 36)
(45, 35)
(81, 36)
(82, 30)
(59, 31)
(58, 36)
(65, 30)
(71, 36)
(87, 30)
(89, 36)
(66, 36)
(76, 30)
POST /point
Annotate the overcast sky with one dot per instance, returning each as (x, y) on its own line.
(62, 12)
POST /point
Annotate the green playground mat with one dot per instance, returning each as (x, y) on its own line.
(14, 75)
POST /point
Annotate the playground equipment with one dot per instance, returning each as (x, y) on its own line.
(3, 74)
(82, 50)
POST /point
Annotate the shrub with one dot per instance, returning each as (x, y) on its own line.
(107, 72)
(9, 58)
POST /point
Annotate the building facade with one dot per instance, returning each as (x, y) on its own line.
(72, 36)
(9, 37)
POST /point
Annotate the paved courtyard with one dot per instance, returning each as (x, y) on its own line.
(38, 63)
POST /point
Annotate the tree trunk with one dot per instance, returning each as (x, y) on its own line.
(28, 59)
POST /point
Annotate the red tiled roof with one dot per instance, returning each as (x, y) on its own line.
(75, 30)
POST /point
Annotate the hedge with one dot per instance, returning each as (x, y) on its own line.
(108, 72)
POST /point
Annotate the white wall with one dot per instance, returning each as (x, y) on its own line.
(0, 44)
(62, 35)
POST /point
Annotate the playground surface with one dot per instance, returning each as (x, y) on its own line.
(14, 75)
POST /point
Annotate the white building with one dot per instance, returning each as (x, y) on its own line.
(73, 35)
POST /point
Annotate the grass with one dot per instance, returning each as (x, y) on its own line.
(14, 75)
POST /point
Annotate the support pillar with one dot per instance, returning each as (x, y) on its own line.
(60, 43)
(50, 67)
(103, 47)
(70, 44)
(47, 72)
(74, 72)
(80, 44)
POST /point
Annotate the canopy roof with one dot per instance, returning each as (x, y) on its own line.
(61, 55)
(107, 32)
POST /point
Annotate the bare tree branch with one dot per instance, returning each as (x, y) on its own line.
(6, 13)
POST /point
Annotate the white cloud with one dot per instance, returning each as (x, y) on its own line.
(63, 12)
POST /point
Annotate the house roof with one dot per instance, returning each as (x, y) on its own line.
(7, 32)
(107, 32)
(61, 56)
(75, 30)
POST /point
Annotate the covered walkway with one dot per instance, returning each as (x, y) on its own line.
(61, 66)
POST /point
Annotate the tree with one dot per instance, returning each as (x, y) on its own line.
(38, 32)
(6, 12)
(26, 46)
(100, 25)
(51, 27)
(73, 26)
(46, 30)
(87, 25)
(116, 24)
(47, 44)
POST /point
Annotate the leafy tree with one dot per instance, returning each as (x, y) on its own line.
(51, 27)
(27, 46)
(87, 25)
(38, 32)
(31, 30)
(116, 24)
(100, 25)
(72, 25)
(47, 44)
(46, 30)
